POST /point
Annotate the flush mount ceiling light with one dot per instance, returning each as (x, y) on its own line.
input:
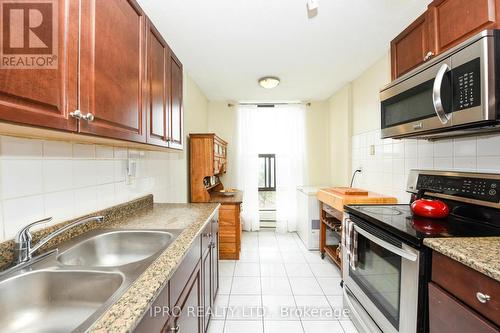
(269, 82)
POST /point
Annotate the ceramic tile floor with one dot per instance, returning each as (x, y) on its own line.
(278, 286)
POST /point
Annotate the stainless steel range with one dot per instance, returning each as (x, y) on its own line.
(387, 268)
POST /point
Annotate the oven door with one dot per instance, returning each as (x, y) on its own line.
(420, 103)
(385, 279)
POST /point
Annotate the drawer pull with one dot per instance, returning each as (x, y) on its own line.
(174, 329)
(483, 298)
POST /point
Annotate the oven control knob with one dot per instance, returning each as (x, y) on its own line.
(492, 192)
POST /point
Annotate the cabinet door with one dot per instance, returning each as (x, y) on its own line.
(176, 108)
(157, 316)
(215, 258)
(457, 20)
(186, 321)
(45, 97)
(157, 87)
(112, 70)
(412, 47)
(448, 315)
(207, 290)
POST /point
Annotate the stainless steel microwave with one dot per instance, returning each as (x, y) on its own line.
(454, 94)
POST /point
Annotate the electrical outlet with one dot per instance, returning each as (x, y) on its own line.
(360, 168)
(131, 171)
(372, 150)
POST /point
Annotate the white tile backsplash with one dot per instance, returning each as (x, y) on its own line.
(387, 170)
(41, 178)
(83, 151)
(21, 211)
(11, 147)
(57, 149)
(465, 147)
(21, 177)
(57, 175)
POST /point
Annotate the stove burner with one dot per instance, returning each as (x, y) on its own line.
(382, 210)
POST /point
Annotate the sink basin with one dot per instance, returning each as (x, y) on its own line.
(53, 301)
(116, 248)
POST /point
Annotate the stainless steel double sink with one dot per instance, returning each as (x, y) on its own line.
(69, 289)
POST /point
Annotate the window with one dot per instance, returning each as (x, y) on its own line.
(267, 172)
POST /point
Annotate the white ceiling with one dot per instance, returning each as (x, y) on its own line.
(226, 45)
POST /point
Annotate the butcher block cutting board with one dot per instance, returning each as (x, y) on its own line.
(349, 191)
(338, 197)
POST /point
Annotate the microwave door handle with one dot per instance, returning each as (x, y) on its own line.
(436, 94)
(389, 247)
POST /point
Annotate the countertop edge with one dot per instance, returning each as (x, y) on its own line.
(448, 247)
(112, 320)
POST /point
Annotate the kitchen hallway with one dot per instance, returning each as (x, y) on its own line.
(278, 286)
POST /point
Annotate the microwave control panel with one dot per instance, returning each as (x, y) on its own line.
(465, 187)
(467, 85)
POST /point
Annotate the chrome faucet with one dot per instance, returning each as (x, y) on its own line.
(23, 250)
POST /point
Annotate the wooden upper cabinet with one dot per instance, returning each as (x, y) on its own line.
(112, 69)
(45, 97)
(457, 20)
(412, 47)
(176, 107)
(157, 88)
(445, 24)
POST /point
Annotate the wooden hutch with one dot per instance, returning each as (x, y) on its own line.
(208, 162)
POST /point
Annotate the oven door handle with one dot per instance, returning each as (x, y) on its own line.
(436, 94)
(389, 247)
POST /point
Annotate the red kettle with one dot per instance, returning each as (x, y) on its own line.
(431, 208)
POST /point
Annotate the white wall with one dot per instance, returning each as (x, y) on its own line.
(340, 131)
(365, 96)
(222, 120)
(41, 178)
(317, 147)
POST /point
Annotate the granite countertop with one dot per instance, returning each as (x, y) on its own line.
(126, 313)
(479, 253)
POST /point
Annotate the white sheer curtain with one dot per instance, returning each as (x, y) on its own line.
(281, 131)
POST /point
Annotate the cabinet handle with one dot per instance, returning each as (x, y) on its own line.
(418, 126)
(483, 298)
(428, 56)
(174, 329)
(79, 115)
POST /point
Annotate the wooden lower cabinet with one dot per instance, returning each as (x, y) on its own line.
(448, 315)
(185, 316)
(454, 302)
(215, 259)
(229, 231)
(184, 303)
